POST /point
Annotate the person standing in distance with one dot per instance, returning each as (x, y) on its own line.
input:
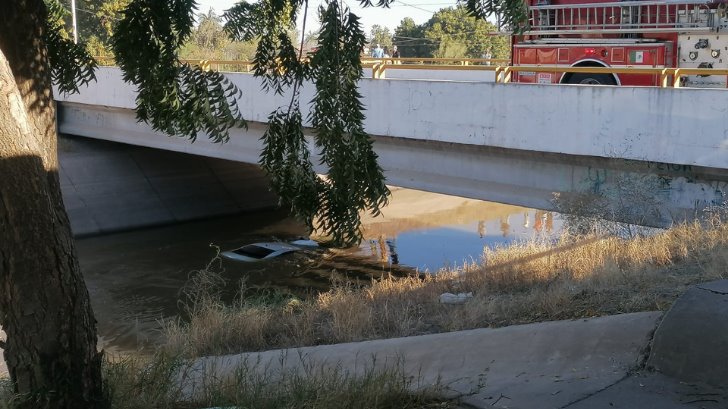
(395, 55)
(487, 56)
(378, 52)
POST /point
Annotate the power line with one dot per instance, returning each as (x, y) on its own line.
(93, 13)
(416, 7)
(399, 4)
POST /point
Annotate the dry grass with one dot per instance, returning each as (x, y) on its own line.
(526, 282)
(134, 383)
(163, 382)
(157, 382)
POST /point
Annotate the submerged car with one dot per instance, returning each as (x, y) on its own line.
(259, 251)
(307, 243)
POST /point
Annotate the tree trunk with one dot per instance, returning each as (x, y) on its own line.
(44, 304)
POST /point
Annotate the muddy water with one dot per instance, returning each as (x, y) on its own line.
(135, 278)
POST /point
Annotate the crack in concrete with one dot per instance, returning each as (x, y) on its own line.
(618, 381)
(641, 364)
(645, 353)
(465, 405)
(711, 290)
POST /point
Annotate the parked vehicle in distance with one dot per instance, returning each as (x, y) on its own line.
(259, 251)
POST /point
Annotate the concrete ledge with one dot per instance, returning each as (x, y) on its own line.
(691, 343)
(648, 124)
(518, 177)
(542, 365)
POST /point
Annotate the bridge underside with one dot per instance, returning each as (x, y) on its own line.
(518, 177)
(111, 187)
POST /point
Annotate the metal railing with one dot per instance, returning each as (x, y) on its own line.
(621, 17)
(668, 77)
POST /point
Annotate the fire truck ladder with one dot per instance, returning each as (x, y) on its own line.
(624, 17)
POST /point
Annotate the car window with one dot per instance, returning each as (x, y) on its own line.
(253, 251)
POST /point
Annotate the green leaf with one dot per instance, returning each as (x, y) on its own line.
(173, 98)
(71, 64)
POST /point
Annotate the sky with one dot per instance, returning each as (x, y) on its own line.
(419, 10)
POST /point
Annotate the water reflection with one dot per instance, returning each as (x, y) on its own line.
(428, 231)
(135, 277)
(451, 246)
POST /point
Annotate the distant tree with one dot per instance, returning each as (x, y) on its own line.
(450, 33)
(310, 40)
(380, 35)
(452, 48)
(410, 39)
(209, 41)
(458, 34)
(209, 33)
(96, 22)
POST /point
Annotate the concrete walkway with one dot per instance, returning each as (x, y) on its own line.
(622, 361)
(543, 365)
(650, 390)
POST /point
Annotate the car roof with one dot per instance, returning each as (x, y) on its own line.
(262, 250)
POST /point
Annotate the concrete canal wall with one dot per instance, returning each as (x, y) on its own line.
(110, 187)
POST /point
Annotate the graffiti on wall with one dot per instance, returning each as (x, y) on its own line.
(662, 191)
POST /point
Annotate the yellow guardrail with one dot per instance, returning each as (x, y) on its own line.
(677, 72)
(218, 65)
(380, 66)
(669, 77)
(437, 61)
(105, 61)
(222, 65)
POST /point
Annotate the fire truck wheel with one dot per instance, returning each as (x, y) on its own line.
(591, 79)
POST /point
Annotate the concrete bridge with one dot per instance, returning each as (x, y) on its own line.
(510, 143)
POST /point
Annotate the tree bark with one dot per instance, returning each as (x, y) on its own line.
(44, 304)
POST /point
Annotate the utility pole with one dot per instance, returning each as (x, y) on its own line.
(73, 18)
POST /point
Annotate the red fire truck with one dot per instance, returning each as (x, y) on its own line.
(649, 33)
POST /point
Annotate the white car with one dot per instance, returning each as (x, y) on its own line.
(259, 251)
(307, 243)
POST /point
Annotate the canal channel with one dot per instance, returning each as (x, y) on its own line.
(135, 278)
